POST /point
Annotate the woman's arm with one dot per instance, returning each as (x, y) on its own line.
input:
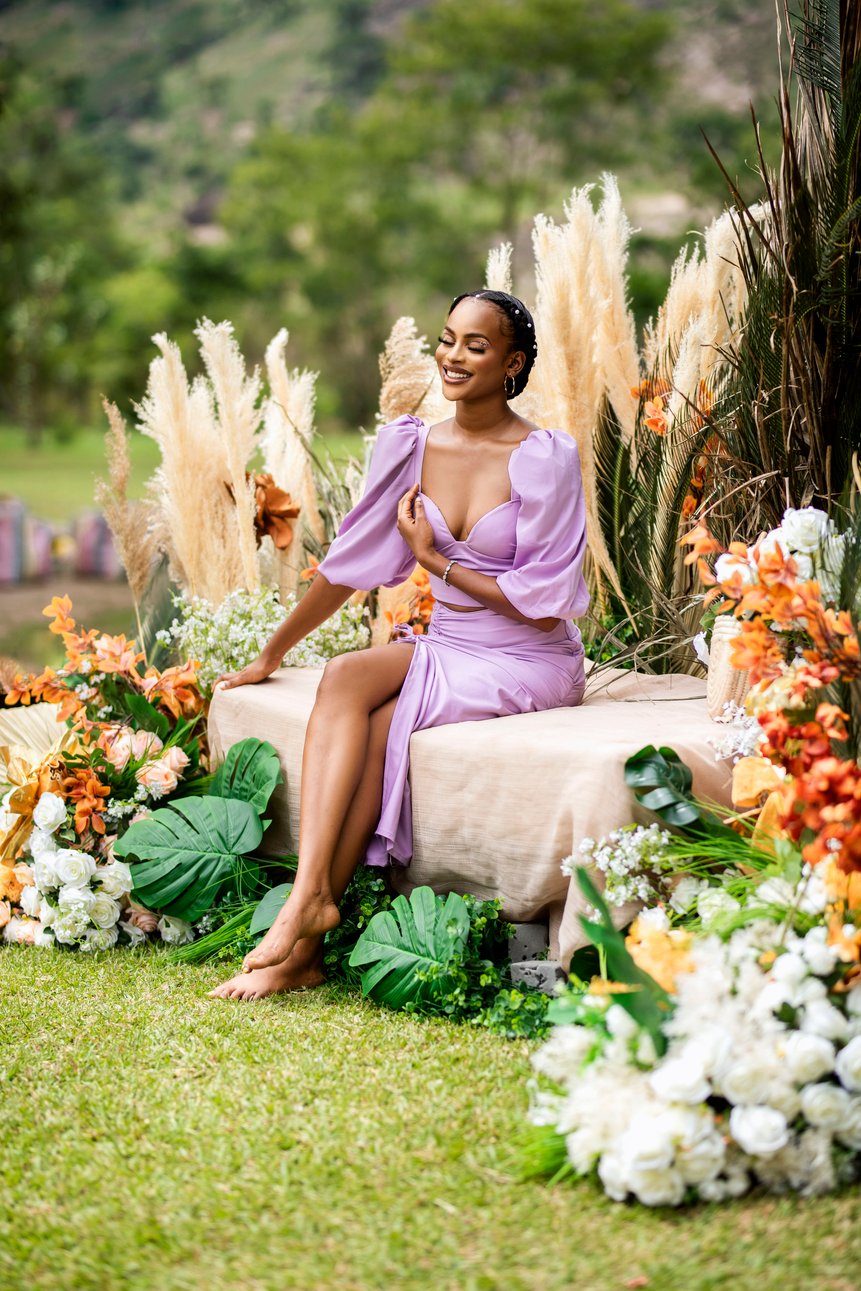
(415, 527)
(319, 603)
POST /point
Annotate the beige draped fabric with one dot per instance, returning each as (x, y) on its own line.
(498, 804)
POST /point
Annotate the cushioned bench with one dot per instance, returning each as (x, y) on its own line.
(498, 804)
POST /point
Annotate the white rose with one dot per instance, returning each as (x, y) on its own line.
(710, 1045)
(620, 1024)
(104, 910)
(849, 1132)
(49, 812)
(774, 543)
(821, 957)
(715, 902)
(821, 1018)
(44, 937)
(758, 1131)
(747, 1081)
(47, 913)
(790, 969)
(657, 1187)
(40, 841)
(685, 893)
(74, 867)
(611, 1172)
(702, 1160)
(72, 899)
(847, 1066)
(100, 938)
(655, 919)
(31, 900)
(680, 1080)
(814, 897)
(562, 1054)
(853, 1001)
(728, 567)
(135, 935)
(646, 1143)
(808, 1056)
(805, 528)
(116, 878)
(175, 931)
(809, 991)
(69, 927)
(825, 1105)
(44, 872)
(783, 1096)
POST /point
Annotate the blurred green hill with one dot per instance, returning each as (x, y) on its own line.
(327, 165)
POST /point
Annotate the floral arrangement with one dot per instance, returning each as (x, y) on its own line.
(228, 637)
(747, 1071)
(124, 737)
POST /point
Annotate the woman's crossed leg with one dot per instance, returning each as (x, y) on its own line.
(342, 785)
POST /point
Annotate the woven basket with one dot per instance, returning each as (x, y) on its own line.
(726, 684)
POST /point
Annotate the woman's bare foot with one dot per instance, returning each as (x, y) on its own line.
(297, 918)
(302, 969)
(268, 981)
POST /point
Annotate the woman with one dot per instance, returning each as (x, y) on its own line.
(492, 508)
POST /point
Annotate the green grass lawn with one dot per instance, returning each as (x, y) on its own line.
(153, 1138)
(57, 478)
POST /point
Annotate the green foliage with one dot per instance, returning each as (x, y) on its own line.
(649, 1005)
(268, 908)
(250, 771)
(189, 851)
(662, 783)
(407, 951)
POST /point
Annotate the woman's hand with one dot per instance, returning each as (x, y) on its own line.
(414, 526)
(258, 670)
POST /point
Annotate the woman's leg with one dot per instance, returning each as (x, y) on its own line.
(342, 775)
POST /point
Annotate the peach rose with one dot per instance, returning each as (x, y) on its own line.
(5, 913)
(10, 885)
(175, 759)
(157, 776)
(122, 743)
(24, 874)
(142, 918)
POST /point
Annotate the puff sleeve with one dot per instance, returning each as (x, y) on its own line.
(546, 576)
(368, 551)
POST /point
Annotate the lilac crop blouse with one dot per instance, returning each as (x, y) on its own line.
(533, 544)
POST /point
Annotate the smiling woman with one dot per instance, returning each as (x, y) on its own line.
(492, 508)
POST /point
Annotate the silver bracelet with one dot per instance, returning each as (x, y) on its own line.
(446, 573)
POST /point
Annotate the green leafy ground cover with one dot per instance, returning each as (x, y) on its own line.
(157, 1139)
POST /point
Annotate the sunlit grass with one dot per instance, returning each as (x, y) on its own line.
(153, 1138)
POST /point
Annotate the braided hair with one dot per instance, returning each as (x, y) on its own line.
(517, 325)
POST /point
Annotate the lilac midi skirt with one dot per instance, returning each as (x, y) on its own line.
(468, 667)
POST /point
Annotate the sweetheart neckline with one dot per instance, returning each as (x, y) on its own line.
(508, 502)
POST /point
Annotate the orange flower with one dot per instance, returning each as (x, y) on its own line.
(83, 787)
(59, 609)
(11, 886)
(116, 654)
(655, 416)
(176, 689)
(311, 572)
(661, 954)
(21, 690)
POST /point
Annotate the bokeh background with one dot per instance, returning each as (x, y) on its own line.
(319, 165)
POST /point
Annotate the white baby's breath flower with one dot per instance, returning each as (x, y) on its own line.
(70, 927)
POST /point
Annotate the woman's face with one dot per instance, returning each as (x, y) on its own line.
(473, 355)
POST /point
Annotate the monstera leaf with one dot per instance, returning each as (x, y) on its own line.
(410, 948)
(250, 771)
(268, 908)
(188, 850)
(662, 782)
